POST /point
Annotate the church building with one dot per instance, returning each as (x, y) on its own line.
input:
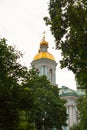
(46, 65)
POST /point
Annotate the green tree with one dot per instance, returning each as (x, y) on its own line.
(27, 101)
(82, 106)
(68, 23)
(76, 127)
(49, 110)
(11, 75)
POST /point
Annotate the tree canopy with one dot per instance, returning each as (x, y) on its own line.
(68, 24)
(10, 74)
(27, 101)
(46, 102)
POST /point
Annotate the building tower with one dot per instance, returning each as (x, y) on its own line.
(45, 62)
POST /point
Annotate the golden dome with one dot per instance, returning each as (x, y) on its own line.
(43, 42)
(44, 55)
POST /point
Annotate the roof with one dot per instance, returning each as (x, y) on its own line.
(65, 91)
(41, 55)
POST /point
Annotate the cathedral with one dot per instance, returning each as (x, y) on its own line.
(46, 65)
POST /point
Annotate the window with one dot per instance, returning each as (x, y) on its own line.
(50, 74)
(44, 70)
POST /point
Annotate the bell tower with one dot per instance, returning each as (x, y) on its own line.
(45, 62)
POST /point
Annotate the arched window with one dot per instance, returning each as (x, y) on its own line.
(43, 70)
(50, 74)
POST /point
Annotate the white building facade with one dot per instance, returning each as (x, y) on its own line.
(71, 98)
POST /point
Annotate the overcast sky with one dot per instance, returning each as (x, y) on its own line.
(22, 24)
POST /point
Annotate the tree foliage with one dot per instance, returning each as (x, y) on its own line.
(82, 106)
(48, 107)
(68, 23)
(27, 101)
(76, 127)
(11, 73)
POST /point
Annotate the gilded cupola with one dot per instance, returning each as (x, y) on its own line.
(43, 52)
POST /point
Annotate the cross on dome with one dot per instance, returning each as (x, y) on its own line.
(44, 35)
(43, 42)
